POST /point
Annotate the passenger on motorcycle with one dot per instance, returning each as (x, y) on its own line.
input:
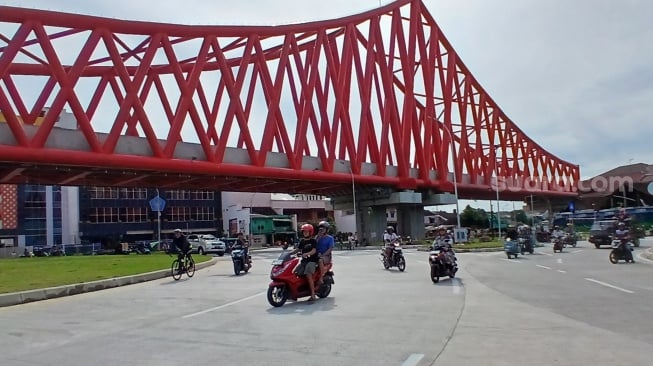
(325, 244)
(183, 247)
(309, 262)
(389, 239)
(623, 235)
(444, 240)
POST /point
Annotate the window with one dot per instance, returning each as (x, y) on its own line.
(178, 195)
(100, 193)
(176, 213)
(133, 214)
(104, 215)
(133, 193)
(202, 195)
(203, 214)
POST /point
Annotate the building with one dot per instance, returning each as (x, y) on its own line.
(111, 214)
(624, 186)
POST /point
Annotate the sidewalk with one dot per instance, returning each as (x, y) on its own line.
(16, 298)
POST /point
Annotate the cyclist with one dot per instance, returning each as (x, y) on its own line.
(183, 247)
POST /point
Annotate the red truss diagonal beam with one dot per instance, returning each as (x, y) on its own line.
(396, 96)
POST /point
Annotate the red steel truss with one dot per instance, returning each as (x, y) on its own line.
(383, 87)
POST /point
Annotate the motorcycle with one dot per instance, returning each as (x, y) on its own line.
(557, 245)
(526, 245)
(396, 258)
(240, 262)
(569, 239)
(287, 285)
(440, 267)
(621, 250)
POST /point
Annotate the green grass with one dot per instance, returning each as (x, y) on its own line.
(21, 274)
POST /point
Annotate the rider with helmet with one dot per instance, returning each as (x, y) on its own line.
(325, 243)
(307, 266)
(557, 232)
(622, 234)
(389, 239)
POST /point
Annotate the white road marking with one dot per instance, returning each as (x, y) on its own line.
(510, 260)
(559, 260)
(609, 285)
(413, 359)
(223, 305)
(561, 271)
(576, 251)
(545, 267)
(456, 286)
(640, 256)
(549, 254)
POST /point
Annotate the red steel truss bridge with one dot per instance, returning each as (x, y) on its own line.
(377, 99)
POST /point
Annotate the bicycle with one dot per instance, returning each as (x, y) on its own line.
(188, 267)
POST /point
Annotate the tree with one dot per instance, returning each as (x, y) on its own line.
(469, 217)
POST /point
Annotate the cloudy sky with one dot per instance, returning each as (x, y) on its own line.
(576, 76)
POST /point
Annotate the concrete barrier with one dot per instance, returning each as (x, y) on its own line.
(16, 298)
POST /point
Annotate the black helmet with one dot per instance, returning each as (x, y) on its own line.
(323, 224)
(390, 228)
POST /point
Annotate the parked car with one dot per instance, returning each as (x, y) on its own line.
(207, 244)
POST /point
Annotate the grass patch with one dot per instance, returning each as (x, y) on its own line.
(22, 274)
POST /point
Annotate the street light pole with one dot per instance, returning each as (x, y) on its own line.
(496, 172)
(158, 219)
(455, 177)
(353, 196)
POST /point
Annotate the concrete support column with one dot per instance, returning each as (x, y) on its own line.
(372, 224)
(410, 221)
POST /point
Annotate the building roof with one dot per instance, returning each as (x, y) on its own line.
(639, 173)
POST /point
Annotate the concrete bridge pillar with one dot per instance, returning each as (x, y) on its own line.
(410, 221)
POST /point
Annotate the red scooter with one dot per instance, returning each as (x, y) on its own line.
(286, 285)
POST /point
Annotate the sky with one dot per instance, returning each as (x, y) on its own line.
(575, 76)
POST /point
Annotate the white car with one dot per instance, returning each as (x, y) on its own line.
(207, 244)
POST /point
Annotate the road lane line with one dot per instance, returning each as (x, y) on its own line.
(576, 251)
(559, 260)
(413, 359)
(223, 305)
(510, 260)
(561, 271)
(549, 254)
(545, 267)
(609, 285)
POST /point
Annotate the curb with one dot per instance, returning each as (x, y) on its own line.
(23, 297)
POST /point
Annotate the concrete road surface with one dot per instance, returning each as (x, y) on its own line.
(534, 310)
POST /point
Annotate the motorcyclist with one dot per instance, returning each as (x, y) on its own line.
(623, 235)
(309, 262)
(183, 247)
(325, 243)
(443, 240)
(622, 215)
(389, 239)
(241, 243)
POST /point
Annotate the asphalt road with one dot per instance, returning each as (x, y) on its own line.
(565, 309)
